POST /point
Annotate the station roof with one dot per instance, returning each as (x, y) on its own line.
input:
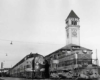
(69, 48)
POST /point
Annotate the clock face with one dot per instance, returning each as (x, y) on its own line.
(74, 32)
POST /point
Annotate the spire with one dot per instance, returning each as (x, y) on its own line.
(72, 15)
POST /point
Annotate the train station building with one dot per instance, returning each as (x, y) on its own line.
(72, 55)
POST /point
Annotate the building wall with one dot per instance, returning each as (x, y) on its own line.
(67, 59)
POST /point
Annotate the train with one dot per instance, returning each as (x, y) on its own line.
(35, 66)
(31, 66)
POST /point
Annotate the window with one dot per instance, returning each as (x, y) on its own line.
(66, 22)
(74, 22)
(54, 56)
(58, 54)
(28, 66)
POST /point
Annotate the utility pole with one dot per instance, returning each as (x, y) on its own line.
(97, 59)
(1, 68)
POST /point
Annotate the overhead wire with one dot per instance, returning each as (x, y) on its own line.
(11, 42)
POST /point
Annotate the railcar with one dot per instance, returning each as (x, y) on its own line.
(31, 66)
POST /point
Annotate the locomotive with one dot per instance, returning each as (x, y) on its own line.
(31, 66)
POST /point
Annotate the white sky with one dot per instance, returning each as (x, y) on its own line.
(39, 26)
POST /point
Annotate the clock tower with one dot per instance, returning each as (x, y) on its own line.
(73, 28)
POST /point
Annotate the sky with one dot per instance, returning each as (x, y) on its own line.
(38, 26)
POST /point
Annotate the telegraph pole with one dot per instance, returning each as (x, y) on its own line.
(97, 59)
(1, 68)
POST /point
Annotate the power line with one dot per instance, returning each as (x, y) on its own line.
(11, 42)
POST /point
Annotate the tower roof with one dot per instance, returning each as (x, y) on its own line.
(72, 15)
